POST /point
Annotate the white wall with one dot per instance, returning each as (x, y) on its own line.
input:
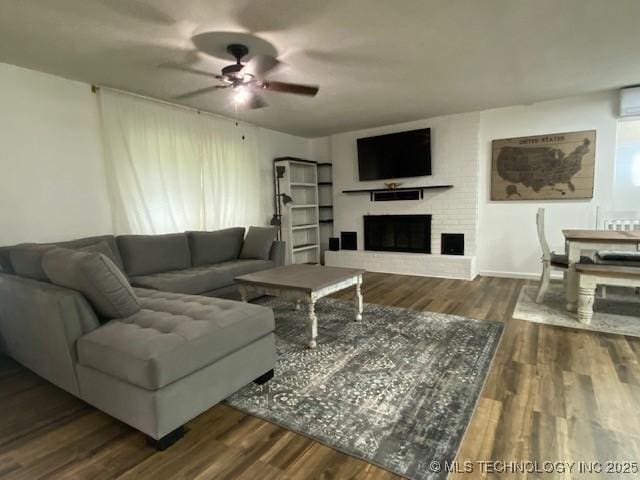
(51, 162)
(507, 241)
(52, 172)
(454, 148)
(506, 236)
(320, 149)
(53, 184)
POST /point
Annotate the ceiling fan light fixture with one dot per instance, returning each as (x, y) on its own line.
(241, 95)
(245, 79)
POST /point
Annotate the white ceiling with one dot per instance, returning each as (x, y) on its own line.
(377, 61)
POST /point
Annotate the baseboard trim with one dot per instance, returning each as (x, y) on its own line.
(519, 275)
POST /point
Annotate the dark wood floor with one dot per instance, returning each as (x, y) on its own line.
(552, 394)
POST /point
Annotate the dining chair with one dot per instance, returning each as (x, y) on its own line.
(550, 260)
(547, 264)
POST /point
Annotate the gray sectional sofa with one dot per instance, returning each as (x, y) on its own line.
(154, 346)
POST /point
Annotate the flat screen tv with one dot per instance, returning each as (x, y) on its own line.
(396, 155)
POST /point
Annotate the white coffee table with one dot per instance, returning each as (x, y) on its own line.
(306, 284)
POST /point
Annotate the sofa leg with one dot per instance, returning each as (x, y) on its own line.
(168, 440)
(262, 379)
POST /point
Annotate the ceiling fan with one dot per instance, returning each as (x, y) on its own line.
(246, 80)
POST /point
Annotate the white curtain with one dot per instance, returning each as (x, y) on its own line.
(170, 169)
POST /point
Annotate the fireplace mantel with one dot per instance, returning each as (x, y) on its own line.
(370, 190)
(387, 193)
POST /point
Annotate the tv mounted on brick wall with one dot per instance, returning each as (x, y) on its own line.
(396, 155)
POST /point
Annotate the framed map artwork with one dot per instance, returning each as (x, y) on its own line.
(559, 166)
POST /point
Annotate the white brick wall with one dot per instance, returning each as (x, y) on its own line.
(454, 161)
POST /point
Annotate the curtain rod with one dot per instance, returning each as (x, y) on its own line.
(96, 88)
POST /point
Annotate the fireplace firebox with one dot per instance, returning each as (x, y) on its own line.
(398, 233)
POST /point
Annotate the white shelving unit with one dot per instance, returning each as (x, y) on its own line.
(300, 226)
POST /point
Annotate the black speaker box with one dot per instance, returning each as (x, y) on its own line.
(452, 244)
(349, 240)
(334, 244)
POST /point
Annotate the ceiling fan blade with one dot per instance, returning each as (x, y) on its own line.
(260, 65)
(310, 90)
(184, 68)
(199, 92)
(257, 102)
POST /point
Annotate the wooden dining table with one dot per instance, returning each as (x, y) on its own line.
(577, 241)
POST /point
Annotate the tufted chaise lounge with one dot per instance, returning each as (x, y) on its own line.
(179, 354)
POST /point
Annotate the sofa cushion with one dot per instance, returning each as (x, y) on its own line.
(96, 277)
(145, 254)
(618, 257)
(258, 242)
(99, 247)
(26, 261)
(200, 279)
(110, 240)
(562, 260)
(171, 337)
(209, 248)
(94, 242)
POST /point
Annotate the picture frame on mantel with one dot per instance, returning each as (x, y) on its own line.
(558, 166)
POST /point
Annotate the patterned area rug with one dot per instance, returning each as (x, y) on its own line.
(618, 313)
(396, 389)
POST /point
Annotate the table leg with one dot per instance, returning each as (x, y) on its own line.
(586, 297)
(571, 276)
(358, 299)
(312, 323)
(244, 296)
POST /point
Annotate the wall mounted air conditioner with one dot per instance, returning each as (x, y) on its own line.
(630, 102)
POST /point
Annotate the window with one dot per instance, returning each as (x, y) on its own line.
(626, 187)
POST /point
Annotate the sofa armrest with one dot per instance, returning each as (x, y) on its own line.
(277, 253)
(40, 323)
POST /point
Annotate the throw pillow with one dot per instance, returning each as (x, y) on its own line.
(26, 261)
(257, 243)
(96, 277)
(209, 248)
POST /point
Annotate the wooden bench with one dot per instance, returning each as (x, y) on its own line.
(592, 275)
